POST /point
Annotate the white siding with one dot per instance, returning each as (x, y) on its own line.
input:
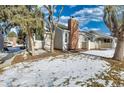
(60, 42)
(38, 44)
(82, 41)
(58, 39)
(47, 39)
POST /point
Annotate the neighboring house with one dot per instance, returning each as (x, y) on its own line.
(70, 38)
(61, 38)
(66, 38)
(97, 40)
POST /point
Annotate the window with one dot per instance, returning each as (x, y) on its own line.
(66, 37)
(107, 40)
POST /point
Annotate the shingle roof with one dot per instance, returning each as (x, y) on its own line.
(63, 27)
(100, 34)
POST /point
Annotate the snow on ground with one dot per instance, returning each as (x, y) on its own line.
(64, 70)
(122, 74)
(103, 53)
(3, 55)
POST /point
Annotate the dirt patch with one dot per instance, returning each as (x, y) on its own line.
(1, 70)
(20, 58)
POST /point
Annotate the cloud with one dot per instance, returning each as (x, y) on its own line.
(89, 29)
(72, 6)
(82, 21)
(64, 20)
(91, 14)
(94, 11)
(84, 29)
(108, 33)
(94, 29)
(64, 17)
(84, 16)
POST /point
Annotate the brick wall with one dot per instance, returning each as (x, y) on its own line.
(74, 34)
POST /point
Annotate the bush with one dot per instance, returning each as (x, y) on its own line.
(12, 34)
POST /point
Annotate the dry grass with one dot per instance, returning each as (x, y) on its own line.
(111, 75)
(1, 70)
(115, 65)
(20, 58)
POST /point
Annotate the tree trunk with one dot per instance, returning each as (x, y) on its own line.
(43, 41)
(119, 51)
(52, 42)
(31, 42)
(1, 41)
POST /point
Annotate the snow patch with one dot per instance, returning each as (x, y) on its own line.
(3, 55)
(103, 53)
(64, 70)
(122, 75)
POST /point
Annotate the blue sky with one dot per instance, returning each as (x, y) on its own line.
(90, 17)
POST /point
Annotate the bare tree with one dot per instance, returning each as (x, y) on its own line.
(52, 22)
(114, 19)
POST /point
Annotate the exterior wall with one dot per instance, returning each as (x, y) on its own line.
(103, 44)
(84, 45)
(74, 33)
(58, 39)
(81, 42)
(80, 45)
(95, 42)
(106, 45)
(98, 45)
(92, 45)
(114, 42)
(47, 39)
(38, 44)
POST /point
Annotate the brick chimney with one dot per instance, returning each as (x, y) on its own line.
(74, 33)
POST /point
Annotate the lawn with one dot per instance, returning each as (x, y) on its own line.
(66, 70)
